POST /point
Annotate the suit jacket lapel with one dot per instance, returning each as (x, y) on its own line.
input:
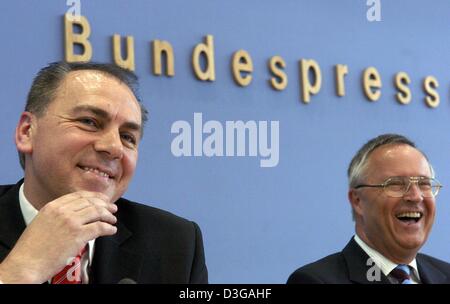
(113, 261)
(429, 274)
(356, 259)
(12, 223)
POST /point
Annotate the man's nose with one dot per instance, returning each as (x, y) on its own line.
(413, 193)
(110, 143)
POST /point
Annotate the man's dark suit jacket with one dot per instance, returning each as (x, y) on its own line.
(349, 266)
(150, 246)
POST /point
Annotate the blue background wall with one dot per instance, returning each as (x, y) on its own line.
(259, 224)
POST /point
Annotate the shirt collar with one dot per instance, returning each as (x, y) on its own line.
(381, 261)
(28, 210)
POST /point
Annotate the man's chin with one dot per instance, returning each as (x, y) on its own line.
(412, 242)
(92, 187)
(110, 190)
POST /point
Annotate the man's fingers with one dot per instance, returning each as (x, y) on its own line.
(80, 204)
(80, 200)
(95, 213)
(98, 229)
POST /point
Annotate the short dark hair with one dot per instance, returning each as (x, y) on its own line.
(48, 80)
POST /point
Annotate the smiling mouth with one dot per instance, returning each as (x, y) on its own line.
(97, 171)
(410, 217)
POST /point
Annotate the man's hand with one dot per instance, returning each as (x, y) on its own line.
(61, 228)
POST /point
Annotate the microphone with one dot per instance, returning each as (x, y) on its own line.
(127, 281)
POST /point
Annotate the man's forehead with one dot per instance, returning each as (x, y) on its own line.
(396, 152)
(88, 79)
(82, 82)
(391, 157)
(89, 89)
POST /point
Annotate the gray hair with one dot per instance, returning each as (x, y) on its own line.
(48, 80)
(358, 165)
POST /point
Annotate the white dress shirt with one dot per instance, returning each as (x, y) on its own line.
(385, 264)
(29, 212)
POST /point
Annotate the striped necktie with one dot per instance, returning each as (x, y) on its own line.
(71, 274)
(402, 273)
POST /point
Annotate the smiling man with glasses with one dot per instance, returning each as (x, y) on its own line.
(392, 192)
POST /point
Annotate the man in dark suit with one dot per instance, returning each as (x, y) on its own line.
(392, 193)
(66, 221)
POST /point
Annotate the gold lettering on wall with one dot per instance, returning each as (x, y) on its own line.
(77, 32)
(279, 80)
(242, 63)
(128, 62)
(372, 83)
(71, 38)
(159, 48)
(308, 88)
(341, 71)
(401, 83)
(430, 84)
(207, 49)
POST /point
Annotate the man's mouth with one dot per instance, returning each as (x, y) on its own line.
(410, 217)
(97, 171)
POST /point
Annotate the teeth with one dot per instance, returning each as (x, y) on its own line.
(96, 171)
(415, 215)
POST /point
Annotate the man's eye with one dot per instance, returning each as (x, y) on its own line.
(425, 183)
(396, 185)
(129, 138)
(88, 121)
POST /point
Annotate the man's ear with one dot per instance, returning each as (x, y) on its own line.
(354, 197)
(24, 132)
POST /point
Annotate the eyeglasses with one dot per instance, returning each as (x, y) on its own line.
(398, 186)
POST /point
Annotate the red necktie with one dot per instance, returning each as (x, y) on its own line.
(71, 274)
